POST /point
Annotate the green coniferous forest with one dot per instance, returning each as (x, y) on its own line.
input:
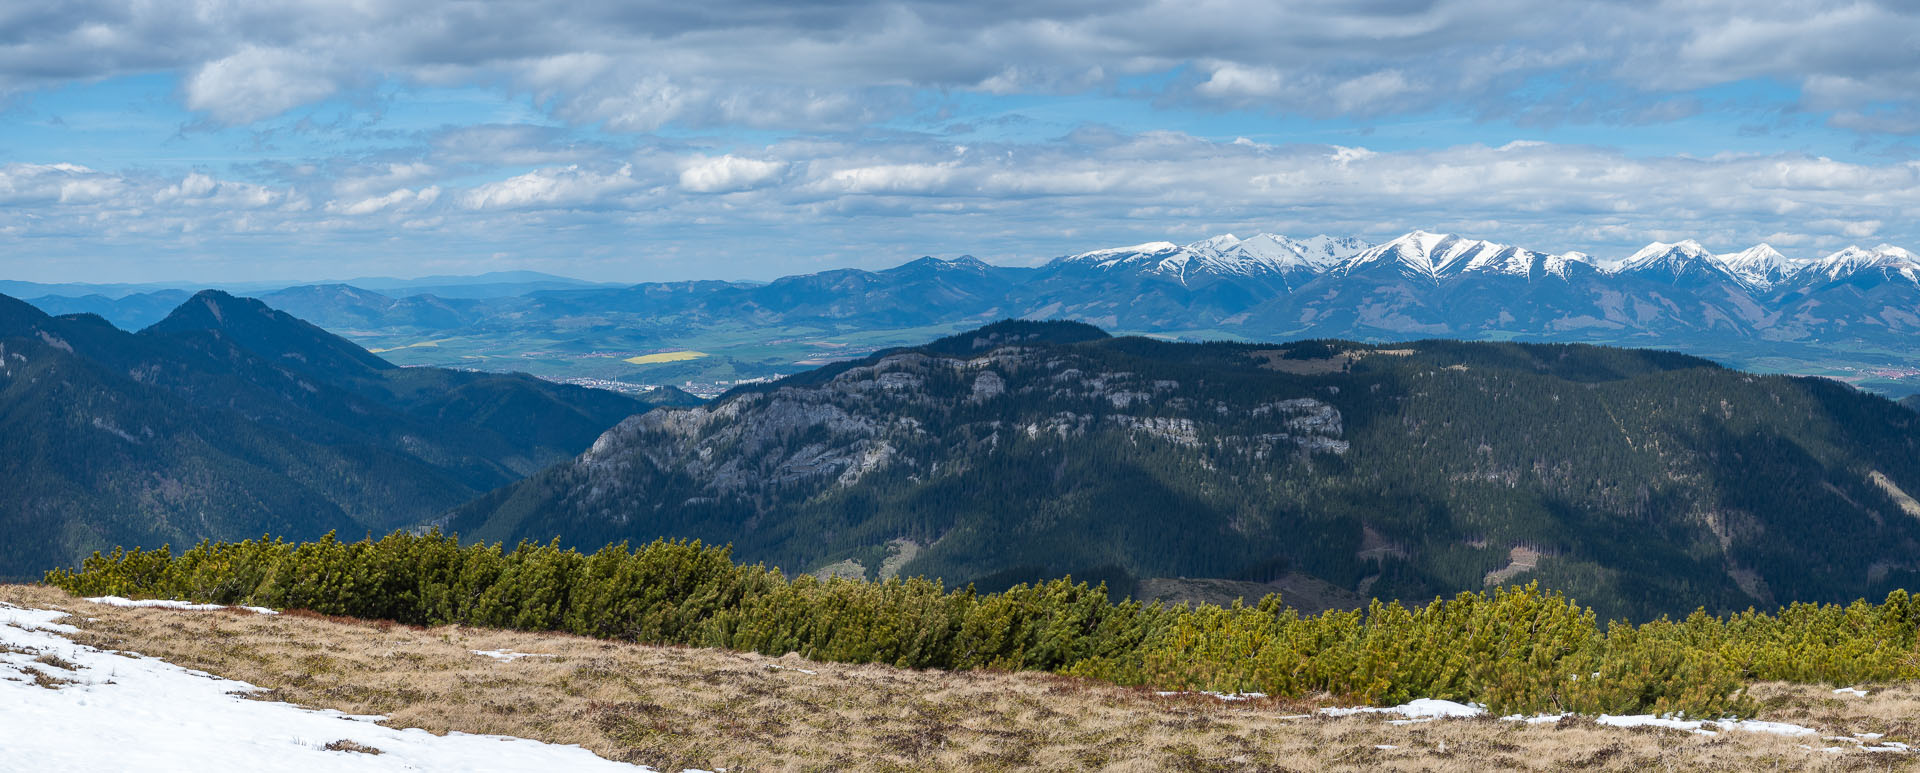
(1515, 649)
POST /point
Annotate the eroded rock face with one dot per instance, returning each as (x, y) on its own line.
(923, 414)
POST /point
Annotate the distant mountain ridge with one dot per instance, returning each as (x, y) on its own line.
(1852, 312)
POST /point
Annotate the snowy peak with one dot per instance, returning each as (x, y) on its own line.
(1413, 253)
(1685, 262)
(1885, 258)
(1317, 254)
(1330, 250)
(1760, 266)
(967, 264)
(1436, 256)
(1263, 254)
(1218, 244)
(1116, 255)
(1563, 265)
(1427, 256)
(1662, 253)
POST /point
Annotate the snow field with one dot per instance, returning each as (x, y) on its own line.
(116, 601)
(123, 711)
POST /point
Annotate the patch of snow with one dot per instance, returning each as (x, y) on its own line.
(141, 713)
(508, 656)
(1428, 710)
(32, 620)
(777, 667)
(117, 601)
(1419, 708)
(1853, 691)
(1705, 726)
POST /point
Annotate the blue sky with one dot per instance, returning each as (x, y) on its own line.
(214, 140)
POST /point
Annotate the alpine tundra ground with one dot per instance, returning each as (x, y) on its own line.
(674, 707)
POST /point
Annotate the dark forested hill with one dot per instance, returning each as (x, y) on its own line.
(229, 419)
(1639, 481)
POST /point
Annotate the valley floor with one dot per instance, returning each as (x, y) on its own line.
(672, 708)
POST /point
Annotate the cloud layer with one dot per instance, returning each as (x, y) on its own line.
(1016, 203)
(640, 66)
(764, 137)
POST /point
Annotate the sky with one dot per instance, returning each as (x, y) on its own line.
(242, 140)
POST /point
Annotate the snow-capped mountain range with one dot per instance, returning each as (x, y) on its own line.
(1672, 295)
(1227, 255)
(1757, 306)
(1437, 257)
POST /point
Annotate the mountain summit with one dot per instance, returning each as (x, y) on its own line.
(259, 328)
(1760, 266)
(1685, 264)
(1433, 257)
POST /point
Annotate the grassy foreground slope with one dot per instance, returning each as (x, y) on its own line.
(680, 707)
(1515, 650)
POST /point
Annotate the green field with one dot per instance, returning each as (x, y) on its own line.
(708, 360)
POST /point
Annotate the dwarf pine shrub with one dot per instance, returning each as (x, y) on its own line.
(1519, 649)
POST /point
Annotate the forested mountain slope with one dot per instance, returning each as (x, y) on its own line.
(1638, 481)
(229, 419)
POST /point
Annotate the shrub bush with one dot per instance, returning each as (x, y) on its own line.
(1517, 649)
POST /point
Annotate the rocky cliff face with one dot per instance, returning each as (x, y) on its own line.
(898, 413)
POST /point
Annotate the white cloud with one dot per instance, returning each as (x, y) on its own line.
(1371, 93)
(889, 178)
(867, 200)
(400, 199)
(1231, 81)
(560, 186)
(26, 185)
(256, 83)
(728, 173)
(201, 190)
(365, 180)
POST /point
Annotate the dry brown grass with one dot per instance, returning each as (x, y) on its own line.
(673, 707)
(350, 745)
